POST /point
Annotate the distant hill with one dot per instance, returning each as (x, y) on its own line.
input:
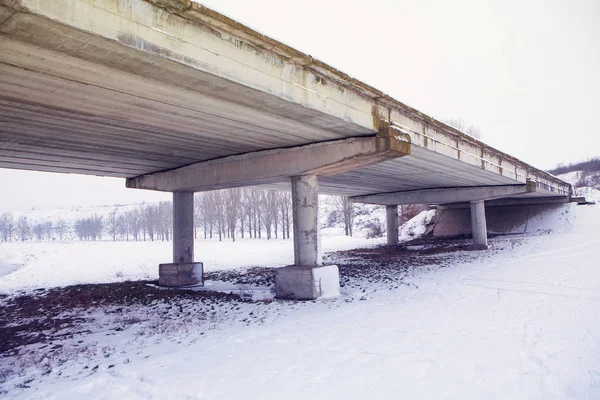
(586, 183)
(591, 165)
(584, 176)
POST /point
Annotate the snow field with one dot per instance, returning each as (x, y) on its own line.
(521, 321)
(50, 264)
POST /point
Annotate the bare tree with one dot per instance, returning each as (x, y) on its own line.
(23, 228)
(89, 228)
(216, 201)
(270, 211)
(122, 227)
(38, 231)
(199, 217)
(112, 226)
(247, 210)
(48, 226)
(150, 220)
(142, 220)
(285, 210)
(409, 211)
(274, 209)
(465, 128)
(132, 219)
(233, 200)
(7, 226)
(61, 228)
(254, 204)
(346, 209)
(208, 213)
(165, 219)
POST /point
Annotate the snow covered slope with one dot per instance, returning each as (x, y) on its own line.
(586, 184)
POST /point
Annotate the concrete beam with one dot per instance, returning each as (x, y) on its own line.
(269, 166)
(519, 202)
(447, 195)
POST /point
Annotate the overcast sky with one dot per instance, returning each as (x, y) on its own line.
(524, 72)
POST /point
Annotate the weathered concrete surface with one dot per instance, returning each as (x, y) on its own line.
(478, 225)
(447, 195)
(260, 167)
(181, 274)
(130, 88)
(455, 221)
(392, 224)
(183, 227)
(307, 231)
(307, 283)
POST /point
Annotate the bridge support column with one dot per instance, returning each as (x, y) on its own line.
(307, 279)
(183, 270)
(391, 214)
(478, 225)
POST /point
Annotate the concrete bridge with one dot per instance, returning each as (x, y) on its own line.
(176, 97)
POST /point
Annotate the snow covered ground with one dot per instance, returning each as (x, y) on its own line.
(520, 321)
(48, 264)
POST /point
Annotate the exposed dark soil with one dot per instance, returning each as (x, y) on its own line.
(392, 264)
(45, 315)
(257, 276)
(41, 316)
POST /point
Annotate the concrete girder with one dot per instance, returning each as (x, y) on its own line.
(270, 166)
(447, 195)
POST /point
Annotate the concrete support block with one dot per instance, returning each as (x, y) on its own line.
(308, 282)
(177, 274)
(391, 214)
(478, 225)
(305, 208)
(183, 227)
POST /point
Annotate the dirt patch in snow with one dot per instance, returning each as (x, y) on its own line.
(391, 265)
(43, 316)
(257, 276)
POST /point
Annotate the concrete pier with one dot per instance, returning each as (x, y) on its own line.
(391, 214)
(183, 227)
(307, 279)
(305, 208)
(183, 271)
(478, 225)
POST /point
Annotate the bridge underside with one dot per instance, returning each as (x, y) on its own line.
(170, 98)
(63, 114)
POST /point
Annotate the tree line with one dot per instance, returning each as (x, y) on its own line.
(223, 214)
(229, 213)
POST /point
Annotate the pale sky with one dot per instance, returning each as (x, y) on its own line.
(524, 72)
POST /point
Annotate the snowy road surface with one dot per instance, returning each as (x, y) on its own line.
(521, 321)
